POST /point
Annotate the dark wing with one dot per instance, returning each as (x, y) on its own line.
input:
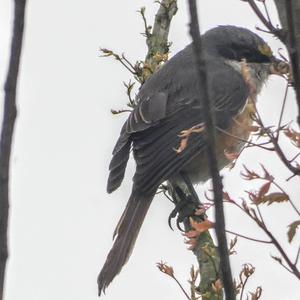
(171, 101)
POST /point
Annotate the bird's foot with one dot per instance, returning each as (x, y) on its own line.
(184, 209)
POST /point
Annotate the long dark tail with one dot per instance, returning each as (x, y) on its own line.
(127, 231)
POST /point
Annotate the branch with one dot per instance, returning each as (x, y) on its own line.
(252, 214)
(289, 14)
(9, 117)
(203, 246)
(211, 153)
(277, 148)
(281, 34)
(157, 41)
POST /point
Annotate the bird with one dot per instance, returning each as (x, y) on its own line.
(168, 103)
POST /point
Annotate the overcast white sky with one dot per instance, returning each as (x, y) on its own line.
(61, 219)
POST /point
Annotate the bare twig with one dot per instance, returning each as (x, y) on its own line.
(121, 58)
(294, 51)
(168, 270)
(277, 148)
(279, 260)
(246, 272)
(295, 157)
(282, 109)
(9, 117)
(266, 21)
(252, 214)
(247, 142)
(147, 32)
(289, 199)
(211, 153)
(289, 14)
(297, 257)
(249, 238)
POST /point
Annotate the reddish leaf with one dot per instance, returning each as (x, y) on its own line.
(267, 175)
(249, 175)
(253, 197)
(202, 226)
(226, 197)
(264, 189)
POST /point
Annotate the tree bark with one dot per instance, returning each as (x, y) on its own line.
(9, 117)
(289, 15)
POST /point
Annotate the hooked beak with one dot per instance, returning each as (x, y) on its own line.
(279, 67)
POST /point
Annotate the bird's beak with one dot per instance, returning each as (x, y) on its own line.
(279, 67)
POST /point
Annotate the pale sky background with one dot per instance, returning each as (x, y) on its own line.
(61, 219)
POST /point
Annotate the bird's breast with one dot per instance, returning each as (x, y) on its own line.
(229, 143)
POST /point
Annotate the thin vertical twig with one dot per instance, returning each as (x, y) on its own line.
(293, 51)
(211, 154)
(266, 21)
(9, 117)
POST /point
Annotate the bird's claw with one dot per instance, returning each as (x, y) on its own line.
(183, 210)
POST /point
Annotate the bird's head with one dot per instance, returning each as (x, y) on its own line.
(236, 45)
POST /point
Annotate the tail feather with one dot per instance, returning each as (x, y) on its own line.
(127, 231)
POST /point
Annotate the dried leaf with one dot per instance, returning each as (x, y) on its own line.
(201, 226)
(163, 267)
(182, 146)
(292, 231)
(232, 245)
(185, 134)
(248, 270)
(277, 197)
(293, 135)
(257, 294)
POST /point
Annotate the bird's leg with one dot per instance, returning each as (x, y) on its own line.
(190, 188)
(180, 200)
(186, 202)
